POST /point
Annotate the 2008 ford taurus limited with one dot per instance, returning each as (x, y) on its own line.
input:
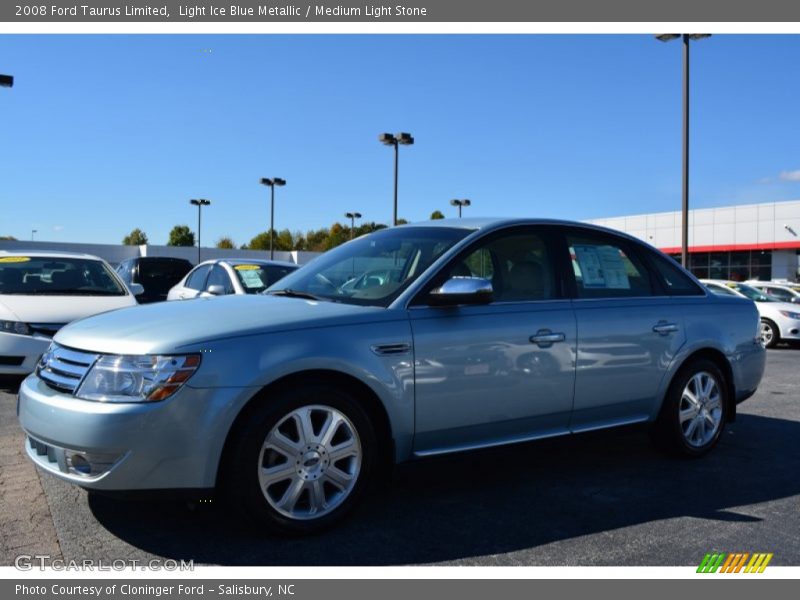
(413, 341)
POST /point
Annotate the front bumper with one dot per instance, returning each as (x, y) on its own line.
(19, 353)
(172, 444)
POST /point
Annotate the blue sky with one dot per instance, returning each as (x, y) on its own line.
(104, 133)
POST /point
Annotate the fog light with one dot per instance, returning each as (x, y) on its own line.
(89, 464)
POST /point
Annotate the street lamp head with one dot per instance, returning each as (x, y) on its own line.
(6, 81)
(404, 139)
(200, 202)
(667, 37)
(272, 182)
(278, 181)
(387, 138)
(353, 215)
(699, 36)
(458, 202)
(265, 181)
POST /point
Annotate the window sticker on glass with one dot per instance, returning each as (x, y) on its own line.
(251, 279)
(14, 259)
(601, 267)
(247, 267)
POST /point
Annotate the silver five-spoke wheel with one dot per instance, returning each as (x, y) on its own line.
(309, 462)
(700, 409)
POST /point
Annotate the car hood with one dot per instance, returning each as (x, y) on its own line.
(771, 308)
(181, 324)
(59, 309)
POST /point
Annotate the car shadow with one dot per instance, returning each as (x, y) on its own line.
(492, 502)
(10, 383)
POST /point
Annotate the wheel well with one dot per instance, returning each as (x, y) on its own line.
(719, 359)
(368, 399)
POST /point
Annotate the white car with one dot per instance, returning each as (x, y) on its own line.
(220, 277)
(40, 292)
(785, 292)
(779, 320)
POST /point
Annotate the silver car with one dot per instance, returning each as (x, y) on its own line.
(413, 341)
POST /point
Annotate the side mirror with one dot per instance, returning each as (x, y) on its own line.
(216, 290)
(137, 289)
(462, 290)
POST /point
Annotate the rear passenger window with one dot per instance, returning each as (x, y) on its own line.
(675, 281)
(603, 269)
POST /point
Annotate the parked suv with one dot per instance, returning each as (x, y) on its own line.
(157, 274)
(413, 341)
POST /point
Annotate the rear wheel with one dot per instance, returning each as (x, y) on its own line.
(770, 334)
(302, 461)
(694, 412)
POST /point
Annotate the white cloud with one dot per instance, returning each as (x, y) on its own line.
(790, 175)
(58, 228)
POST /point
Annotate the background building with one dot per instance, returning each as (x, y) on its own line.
(116, 253)
(751, 241)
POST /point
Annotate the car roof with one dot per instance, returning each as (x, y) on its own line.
(49, 254)
(491, 223)
(249, 261)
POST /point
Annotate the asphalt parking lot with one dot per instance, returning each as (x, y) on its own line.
(598, 499)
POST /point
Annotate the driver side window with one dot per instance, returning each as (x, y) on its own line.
(517, 264)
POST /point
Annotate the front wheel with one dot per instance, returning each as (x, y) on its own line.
(694, 411)
(302, 461)
(770, 335)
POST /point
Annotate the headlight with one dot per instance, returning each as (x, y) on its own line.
(791, 315)
(137, 378)
(15, 327)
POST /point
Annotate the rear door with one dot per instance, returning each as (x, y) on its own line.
(629, 331)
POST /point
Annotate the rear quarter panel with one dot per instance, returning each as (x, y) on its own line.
(728, 325)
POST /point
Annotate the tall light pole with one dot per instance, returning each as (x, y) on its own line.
(272, 183)
(33, 232)
(401, 139)
(687, 37)
(199, 203)
(352, 216)
(6, 81)
(460, 204)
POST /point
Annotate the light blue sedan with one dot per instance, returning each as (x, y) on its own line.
(414, 341)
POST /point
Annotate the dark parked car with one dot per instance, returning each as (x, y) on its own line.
(157, 274)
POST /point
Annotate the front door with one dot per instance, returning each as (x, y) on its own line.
(501, 372)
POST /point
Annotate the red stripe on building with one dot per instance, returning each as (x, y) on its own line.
(736, 247)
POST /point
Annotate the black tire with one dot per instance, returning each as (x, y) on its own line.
(669, 433)
(240, 481)
(769, 341)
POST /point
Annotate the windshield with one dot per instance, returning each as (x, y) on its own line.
(372, 270)
(61, 276)
(256, 277)
(753, 293)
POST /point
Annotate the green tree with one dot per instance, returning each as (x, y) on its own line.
(437, 214)
(137, 237)
(402, 222)
(8, 238)
(226, 242)
(181, 235)
(282, 240)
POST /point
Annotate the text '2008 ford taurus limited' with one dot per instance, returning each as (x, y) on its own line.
(413, 341)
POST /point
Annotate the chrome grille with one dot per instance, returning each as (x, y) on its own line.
(63, 369)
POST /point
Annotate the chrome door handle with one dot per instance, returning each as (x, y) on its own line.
(664, 328)
(545, 338)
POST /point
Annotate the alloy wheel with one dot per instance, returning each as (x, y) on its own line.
(309, 462)
(700, 409)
